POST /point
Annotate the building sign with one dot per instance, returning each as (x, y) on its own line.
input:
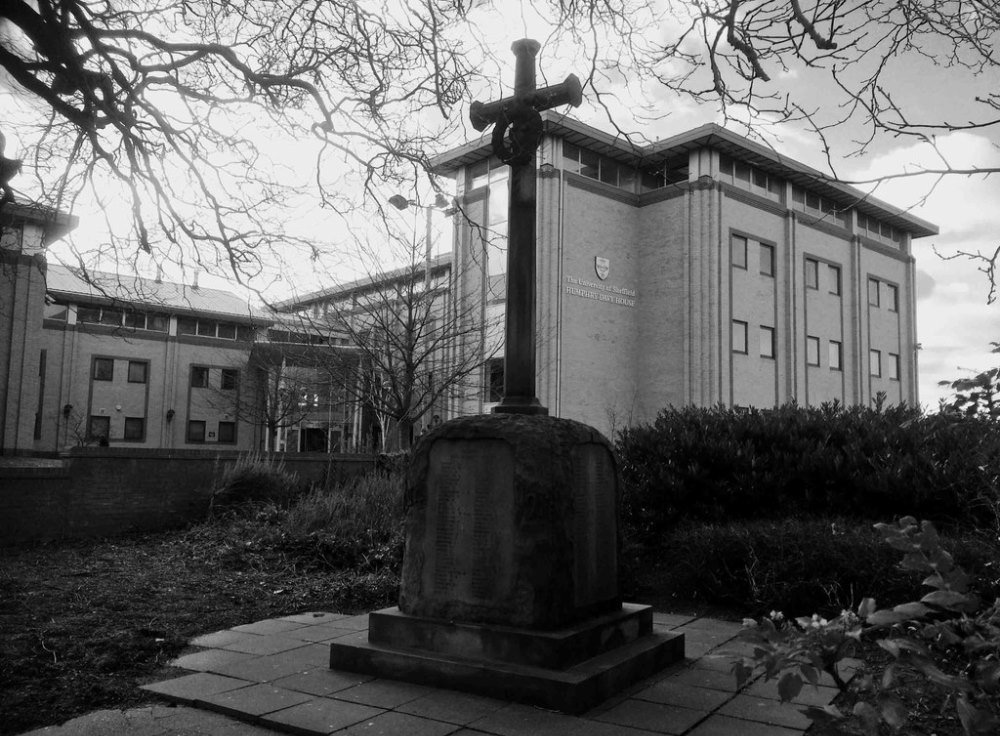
(600, 292)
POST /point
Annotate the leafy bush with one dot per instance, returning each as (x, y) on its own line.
(720, 464)
(947, 640)
(253, 479)
(787, 564)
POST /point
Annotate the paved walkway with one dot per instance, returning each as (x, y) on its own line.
(273, 676)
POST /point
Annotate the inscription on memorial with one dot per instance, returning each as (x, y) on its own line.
(468, 548)
(595, 524)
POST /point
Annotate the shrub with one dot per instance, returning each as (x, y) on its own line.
(947, 640)
(253, 479)
(790, 564)
(359, 524)
(720, 464)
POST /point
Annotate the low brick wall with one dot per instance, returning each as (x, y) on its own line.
(91, 492)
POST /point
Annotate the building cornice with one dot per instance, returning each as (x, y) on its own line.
(679, 146)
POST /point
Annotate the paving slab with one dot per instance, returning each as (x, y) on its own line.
(672, 692)
(764, 710)
(382, 693)
(208, 660)
(322, 681)
(255, 700)
(268, 626)
(320, 716)
(452, 707)
(725, 726)
(191, 688)
(269, 644)
(396, 724)
(284, 685)
(320, 632)
(313, 617)
(655, 717)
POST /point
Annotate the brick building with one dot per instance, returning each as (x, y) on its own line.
(702, 269)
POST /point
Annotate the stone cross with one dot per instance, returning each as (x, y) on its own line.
(520, 113)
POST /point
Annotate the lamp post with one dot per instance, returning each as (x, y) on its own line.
(440, 203)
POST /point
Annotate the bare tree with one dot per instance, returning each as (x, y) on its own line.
(152, 103)
(416, 347)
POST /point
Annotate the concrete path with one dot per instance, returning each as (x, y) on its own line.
(273, 677)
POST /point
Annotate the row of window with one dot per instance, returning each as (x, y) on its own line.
(813, 204)
(883, 293)
(138, 372)
(745, 176)
(154, 321)
(212, 328)
(228, 379)
(879, 292)
(835, 350)
(739, 247)
(104, 370)
(99, 428)
(151, 321)
(196, 432)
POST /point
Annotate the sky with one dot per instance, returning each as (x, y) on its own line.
(955, 325)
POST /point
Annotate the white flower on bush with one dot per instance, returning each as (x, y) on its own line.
(816, 622)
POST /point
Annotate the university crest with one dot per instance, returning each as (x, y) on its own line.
(602, 266)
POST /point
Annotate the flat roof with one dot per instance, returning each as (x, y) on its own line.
(678, 146)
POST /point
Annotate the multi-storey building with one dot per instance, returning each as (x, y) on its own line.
(702, 269)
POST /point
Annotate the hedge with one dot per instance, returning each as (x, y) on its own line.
(719, 465)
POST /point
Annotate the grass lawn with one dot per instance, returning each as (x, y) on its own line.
(82, 624)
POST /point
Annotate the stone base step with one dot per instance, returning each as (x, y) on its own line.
(574, 689)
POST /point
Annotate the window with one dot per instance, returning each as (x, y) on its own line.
(227, 432)
(135, 428)
(833, 276)
(812, 350)
(88, 314)
(158, 322)
(56, 311)
(893, 367)
(104, 369)
(137, 371)
(494, 379)
(875, 358)
(738, 245)
(196, 431)
(892, 297)
(739, 336)
(767, 259)
(836, 356)
(187, 326)
(111, 317)
(812, 273)
(496, 237)
(99, 428)
(230, 377)
(873, 299)
(206, 328)
(766, 342)
(199, 377)
(227, 330)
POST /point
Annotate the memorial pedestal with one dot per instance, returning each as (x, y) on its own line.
(510, 576)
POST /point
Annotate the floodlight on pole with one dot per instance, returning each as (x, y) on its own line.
(441, 202)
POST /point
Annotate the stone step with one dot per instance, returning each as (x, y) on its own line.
(571, 690)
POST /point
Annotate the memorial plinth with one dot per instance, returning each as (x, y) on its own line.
(510, 577)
